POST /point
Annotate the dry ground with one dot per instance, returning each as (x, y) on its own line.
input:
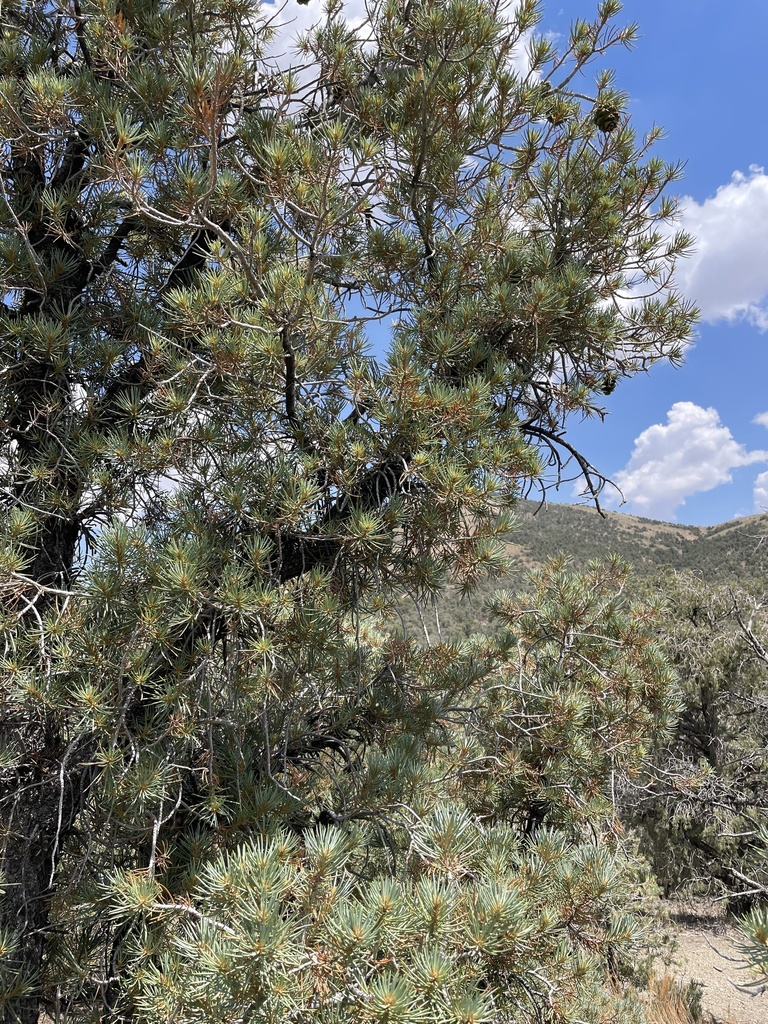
(707, 952)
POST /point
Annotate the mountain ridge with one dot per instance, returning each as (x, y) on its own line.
(730, 550)
(735, 551)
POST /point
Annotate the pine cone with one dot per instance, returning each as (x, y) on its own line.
(607, 115)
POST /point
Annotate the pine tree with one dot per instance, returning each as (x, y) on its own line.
(702, 809)
(284, 333)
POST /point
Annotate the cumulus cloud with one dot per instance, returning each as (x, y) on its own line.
(692, 452)
(291, 19)
(760, 486)
(294, 18)
(727, 275)
(760, 492)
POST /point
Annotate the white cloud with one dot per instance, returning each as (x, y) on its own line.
(692, 452)
(760, 486)
(292, 19)
(727, 275)
(760, 492)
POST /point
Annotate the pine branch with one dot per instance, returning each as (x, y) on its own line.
(301, 553)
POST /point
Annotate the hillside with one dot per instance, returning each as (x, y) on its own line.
(732, 550)
(736, 550)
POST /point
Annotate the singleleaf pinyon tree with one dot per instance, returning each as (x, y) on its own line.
(702, 814)
(227, 793)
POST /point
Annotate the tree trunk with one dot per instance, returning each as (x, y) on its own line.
(40, 799)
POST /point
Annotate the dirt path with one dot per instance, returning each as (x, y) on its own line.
(707, 953)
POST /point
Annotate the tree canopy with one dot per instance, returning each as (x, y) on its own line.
(285, 331)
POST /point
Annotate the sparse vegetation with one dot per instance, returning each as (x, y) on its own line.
(729, 553)
(671, 1001)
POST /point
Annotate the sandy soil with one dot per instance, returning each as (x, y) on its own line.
(707, 953)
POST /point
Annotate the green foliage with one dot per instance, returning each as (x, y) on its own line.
(588, 689)
(704, 810)
(280, 344)
(445, 847)
(728, 553)
(16, 980)
(754, 927)
(289, 931)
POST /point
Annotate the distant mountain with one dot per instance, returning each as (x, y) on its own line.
(736, 550)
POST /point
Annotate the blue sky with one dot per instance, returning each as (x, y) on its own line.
(691, 444)
(685, 443)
